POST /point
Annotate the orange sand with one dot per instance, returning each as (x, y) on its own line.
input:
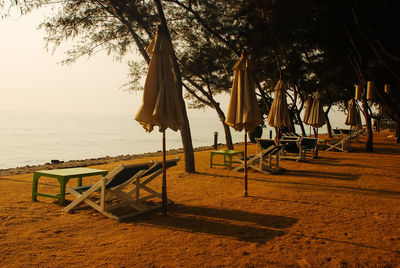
(341, 210)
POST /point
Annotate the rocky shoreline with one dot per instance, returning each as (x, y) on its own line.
(92, 161)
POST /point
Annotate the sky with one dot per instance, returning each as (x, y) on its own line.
(33, 80)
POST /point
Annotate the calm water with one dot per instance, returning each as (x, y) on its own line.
(32, 138)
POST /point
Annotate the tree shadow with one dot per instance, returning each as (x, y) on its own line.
(320, 175)
(322, 162)
(379, 148)
(376, 192)
(346, 242)
(238, 224)
(27, 181)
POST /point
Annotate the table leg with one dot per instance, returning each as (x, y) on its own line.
(230, 161)
(35, 186)
(211, 159)
(225, 160)
(63, 183)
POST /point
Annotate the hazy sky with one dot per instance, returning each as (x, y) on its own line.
(32, 79)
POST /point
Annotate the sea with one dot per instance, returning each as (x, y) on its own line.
(33, 138)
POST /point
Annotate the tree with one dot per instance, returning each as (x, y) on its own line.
(96, 25)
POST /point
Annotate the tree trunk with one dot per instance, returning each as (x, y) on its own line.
(187, 142)
(315, 132)
(227, 130)
(397, 134)
(328, 122)
(303, 131)
(328, 126)
(369, 144)
(185, 132)
(228, 136)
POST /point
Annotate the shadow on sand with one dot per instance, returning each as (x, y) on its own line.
(278, 179)
(320, 175)
(241, 225)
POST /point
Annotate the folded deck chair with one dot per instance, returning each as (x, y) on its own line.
(310, 146)
(263, 160)
(293, 150)
(120, 196)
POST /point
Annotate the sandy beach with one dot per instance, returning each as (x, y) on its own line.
(340, 210)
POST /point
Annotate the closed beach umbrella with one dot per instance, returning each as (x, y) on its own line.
(243, 110)
(307, 108)
(316, 118)
(353, 117)
(278, 116)
(161, 106)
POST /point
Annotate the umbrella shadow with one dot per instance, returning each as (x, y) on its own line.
(238, 224)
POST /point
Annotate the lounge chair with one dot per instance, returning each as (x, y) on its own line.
(336, 132)
(355, 134)
(263, 144)
(342, 145)
(263, 160)
(310, 145)
(293, 150)
(120, 189)
(290, 136)
(345, 131)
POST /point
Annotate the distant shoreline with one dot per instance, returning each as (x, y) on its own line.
(97, 161)
(94, 161)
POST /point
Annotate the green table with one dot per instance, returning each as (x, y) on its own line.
(227, 154)
(63, 176)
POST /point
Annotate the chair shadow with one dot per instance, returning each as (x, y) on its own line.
(241, 225)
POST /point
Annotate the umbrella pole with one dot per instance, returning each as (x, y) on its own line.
(164, 178)
(350, 135)
(316, 150)
(245, 163)
(277, 134)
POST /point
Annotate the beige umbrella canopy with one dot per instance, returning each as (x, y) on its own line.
(316, 117)
(278, 116)
(307, 109)
(161, 106)
(243, 110)
(353, 117)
